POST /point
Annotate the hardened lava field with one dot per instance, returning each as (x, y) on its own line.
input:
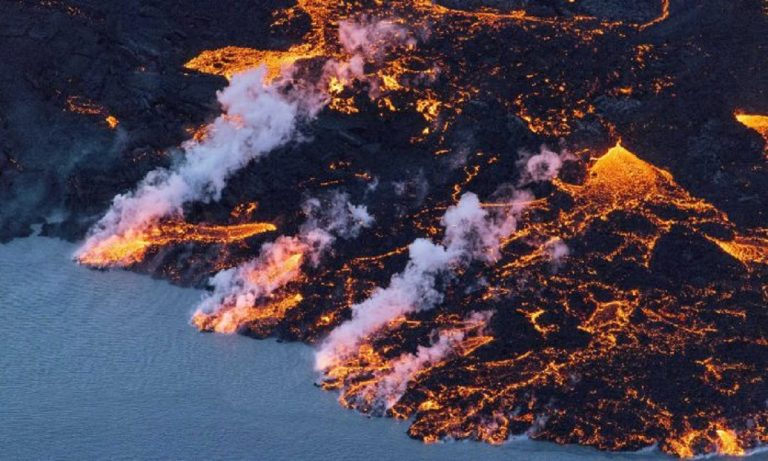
(491, 218)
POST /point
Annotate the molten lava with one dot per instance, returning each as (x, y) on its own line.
(408, 72)
(232, 60)
(586, 349)
(758, 123)
(236, 318)
(131, 247)
(112, 121)
(258, 294)
(621, 312)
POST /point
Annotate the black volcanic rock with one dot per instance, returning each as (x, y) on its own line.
(637, 11)
(680, 257)
(70, 64)
(647, 325)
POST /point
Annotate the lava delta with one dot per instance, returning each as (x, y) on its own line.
(491, 218)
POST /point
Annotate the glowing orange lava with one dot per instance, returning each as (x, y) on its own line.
(609, 347)
(758, 123)
(717, 439)
(264, 297)
(419, 15)
(233, 319)
(232, 59)
(130, 247)
(466, 394)
(112, 121)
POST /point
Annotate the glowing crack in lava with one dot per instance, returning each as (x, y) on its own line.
(581, 295)
(550, 105)
(587, 351)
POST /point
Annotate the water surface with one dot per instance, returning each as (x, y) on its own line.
(103, 365)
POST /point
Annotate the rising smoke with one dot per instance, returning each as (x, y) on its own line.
(557, 251)
(259, 116)
(471, 233)
(280, 262)
(257, 119)
(367, 41)
(542, 166)
(392, 381)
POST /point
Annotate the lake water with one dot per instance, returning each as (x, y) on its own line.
(103, 365)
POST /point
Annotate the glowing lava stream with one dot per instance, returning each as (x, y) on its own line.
(231, 320)
(619, 180)
(374, 384)
(259, 116)
(264, 303)
(130, 247)
(452, 392)
(659, 19)
(724, 440)
(256, 295)
(755, 122)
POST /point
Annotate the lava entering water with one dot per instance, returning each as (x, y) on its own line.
(581, 295)
(131, 247)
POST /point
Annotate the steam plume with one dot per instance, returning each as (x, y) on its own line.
(367, 41)
(240, 289)
(471, 233)
(390, 384)
(557, 250)
(543, 166)
(258, 118)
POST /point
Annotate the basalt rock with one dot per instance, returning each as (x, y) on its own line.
(629, 308)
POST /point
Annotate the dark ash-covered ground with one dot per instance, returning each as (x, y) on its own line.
(126, 60)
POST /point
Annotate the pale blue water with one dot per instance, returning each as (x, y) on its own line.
(102, 365)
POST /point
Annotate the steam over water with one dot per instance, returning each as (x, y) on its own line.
(98, 365)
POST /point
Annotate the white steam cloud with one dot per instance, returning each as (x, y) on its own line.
(471, 233)
(258, 118)
(557, 251)
(543, 166)
(280, 262)
(366, 41)
(393, 382)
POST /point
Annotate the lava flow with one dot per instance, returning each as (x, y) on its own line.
(236, 318)
(558, 233)
(603, 351)
(758, 123)
(132, 246)
(268, 303)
